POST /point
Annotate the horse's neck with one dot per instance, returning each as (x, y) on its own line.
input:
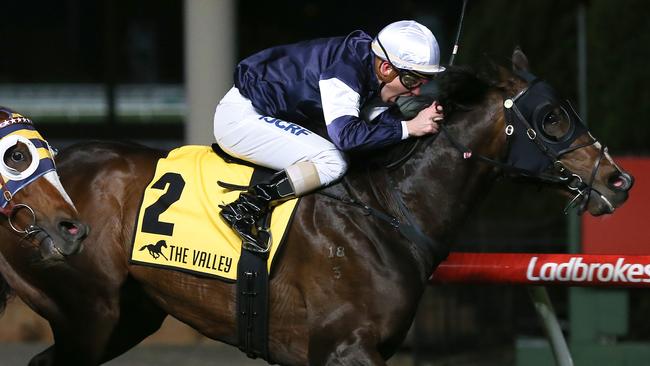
(442, 182)
(437, 185)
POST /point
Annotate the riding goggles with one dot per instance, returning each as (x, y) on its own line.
(410, 79)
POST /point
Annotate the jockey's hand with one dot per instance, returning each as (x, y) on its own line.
(426, 122)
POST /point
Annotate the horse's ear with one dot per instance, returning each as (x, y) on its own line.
(519, 60)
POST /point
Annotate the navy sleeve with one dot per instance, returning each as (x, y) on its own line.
(349, 133)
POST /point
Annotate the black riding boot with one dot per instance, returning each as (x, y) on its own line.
(246, 213)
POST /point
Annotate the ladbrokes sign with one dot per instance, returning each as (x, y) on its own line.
(575, 270)
(587, 270)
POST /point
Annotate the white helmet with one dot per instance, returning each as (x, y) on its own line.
(408, 45)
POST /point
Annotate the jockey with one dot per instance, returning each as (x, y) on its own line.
(344, 88)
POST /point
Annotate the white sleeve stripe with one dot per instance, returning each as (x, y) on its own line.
(338, 100)
(405, 131)
(370, 114)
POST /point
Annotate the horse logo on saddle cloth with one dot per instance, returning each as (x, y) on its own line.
(178, 226)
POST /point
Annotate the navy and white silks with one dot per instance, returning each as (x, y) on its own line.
(285, 96)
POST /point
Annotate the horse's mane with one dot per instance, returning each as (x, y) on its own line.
(460, 88)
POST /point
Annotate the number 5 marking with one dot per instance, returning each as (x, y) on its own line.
(150, 221)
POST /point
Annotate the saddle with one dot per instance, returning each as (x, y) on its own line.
(178, 227)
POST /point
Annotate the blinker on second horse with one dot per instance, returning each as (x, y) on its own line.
(34, 204)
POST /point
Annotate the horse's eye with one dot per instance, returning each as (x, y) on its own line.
(17, 156)
(551, 118)
(556, 124)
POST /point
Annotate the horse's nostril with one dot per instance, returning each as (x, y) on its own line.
(72, 229)
(620, 181)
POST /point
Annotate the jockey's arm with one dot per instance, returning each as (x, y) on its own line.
(347, 130)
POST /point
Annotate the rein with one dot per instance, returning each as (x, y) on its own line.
(408, 228)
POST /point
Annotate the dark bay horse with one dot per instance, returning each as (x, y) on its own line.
(347, 284)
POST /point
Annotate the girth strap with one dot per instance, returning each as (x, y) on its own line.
(252, 311)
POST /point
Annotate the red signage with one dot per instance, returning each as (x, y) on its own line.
(627, 231)
(545, 269)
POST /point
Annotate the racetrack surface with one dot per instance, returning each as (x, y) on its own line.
(18, 354)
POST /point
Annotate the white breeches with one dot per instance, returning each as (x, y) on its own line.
(243, 132)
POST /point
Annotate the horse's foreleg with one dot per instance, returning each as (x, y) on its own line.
(89, 339)
(357, 348)
(139, 318)
(85, 349)
(81, 331)
(130, 333)
(84, 339)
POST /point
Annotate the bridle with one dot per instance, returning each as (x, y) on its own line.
(573, 181)
(517, 122)
(30, 229)
(11, 209)
(530, 155)
(14, 129)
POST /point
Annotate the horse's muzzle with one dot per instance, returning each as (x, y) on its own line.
(602, 202)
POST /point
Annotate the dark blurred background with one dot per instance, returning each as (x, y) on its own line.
(115, 69)
(59, 56)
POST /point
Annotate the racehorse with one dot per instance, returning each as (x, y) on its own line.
(357, 257)
(40, 225)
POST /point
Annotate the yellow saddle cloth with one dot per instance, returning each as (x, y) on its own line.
(178, 225)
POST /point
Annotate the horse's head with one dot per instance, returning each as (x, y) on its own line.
(549, 141)
(33, 201)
